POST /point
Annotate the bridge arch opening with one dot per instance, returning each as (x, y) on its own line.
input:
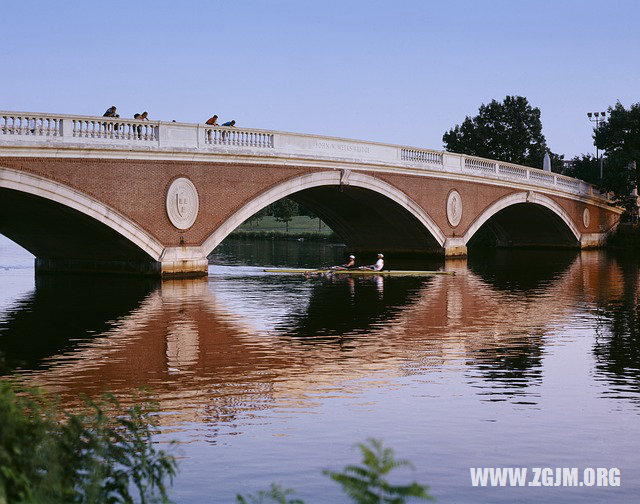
(523, 220)
(368, 214)
(57, 223)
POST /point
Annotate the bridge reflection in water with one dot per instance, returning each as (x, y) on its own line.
(242, 341)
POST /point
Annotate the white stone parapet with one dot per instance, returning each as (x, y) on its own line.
(71, 131)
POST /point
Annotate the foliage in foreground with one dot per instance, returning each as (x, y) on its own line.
(100, 455)
(365, 483)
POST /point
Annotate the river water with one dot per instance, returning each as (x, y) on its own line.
(522, 359)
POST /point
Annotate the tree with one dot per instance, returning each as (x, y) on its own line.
(302, 210)
(584, 167)
(284, 210)
(508, 131)
(619, 138)
(257, 217)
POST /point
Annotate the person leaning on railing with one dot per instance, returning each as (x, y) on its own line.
(141, 117)
(229, 124)
(111, 112)
(212, 121)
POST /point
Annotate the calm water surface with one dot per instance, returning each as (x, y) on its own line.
(528, 359)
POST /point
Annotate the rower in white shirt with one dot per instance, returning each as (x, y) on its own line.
(377, 266)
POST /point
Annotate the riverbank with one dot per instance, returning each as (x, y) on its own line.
(626, 237)
(299, 228)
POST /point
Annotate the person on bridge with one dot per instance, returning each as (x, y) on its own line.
(141, 117)
(111, 112)
(350, 264)
(213, 121)
(230, 124)
(379, 264)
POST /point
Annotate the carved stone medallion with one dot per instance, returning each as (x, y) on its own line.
(182, 203)
(454, 208)
(586, 217)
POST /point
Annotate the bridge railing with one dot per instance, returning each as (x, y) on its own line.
(56, 129)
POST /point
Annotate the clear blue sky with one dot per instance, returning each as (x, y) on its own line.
(400, 72)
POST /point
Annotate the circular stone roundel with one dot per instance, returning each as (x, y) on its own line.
(182, 203)
(454, 208)
(586, 217)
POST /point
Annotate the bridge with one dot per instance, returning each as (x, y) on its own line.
(97, 194)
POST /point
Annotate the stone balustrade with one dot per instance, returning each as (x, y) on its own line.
(61, 130)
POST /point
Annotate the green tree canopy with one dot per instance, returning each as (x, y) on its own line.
(284, 210)
(507, 131)
(584, 167)
(619, 138)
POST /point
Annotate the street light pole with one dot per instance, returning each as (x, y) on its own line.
(597, 118)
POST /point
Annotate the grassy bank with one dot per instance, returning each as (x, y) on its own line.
(299, 227)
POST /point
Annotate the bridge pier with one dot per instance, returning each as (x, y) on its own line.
(455, 247)
(593, 240)
(183, 262)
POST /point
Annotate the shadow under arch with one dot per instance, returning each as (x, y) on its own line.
(524, 219)
(369, 214)
(54, 221)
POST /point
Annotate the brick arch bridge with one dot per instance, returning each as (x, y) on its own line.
(119, 195)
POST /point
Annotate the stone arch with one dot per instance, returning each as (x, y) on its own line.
(316, 180)
(71, 198)
(517, 198)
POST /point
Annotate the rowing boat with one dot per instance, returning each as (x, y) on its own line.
(301, 271)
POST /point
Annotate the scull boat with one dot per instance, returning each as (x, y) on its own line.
(302, 271)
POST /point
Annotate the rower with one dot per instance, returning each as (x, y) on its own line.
(350, 264)
(379, 264)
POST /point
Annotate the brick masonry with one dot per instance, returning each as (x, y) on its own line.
(137, 189)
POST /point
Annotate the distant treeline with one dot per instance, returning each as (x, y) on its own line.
(282, 210)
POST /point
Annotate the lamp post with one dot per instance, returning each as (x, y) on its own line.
(597, 118)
